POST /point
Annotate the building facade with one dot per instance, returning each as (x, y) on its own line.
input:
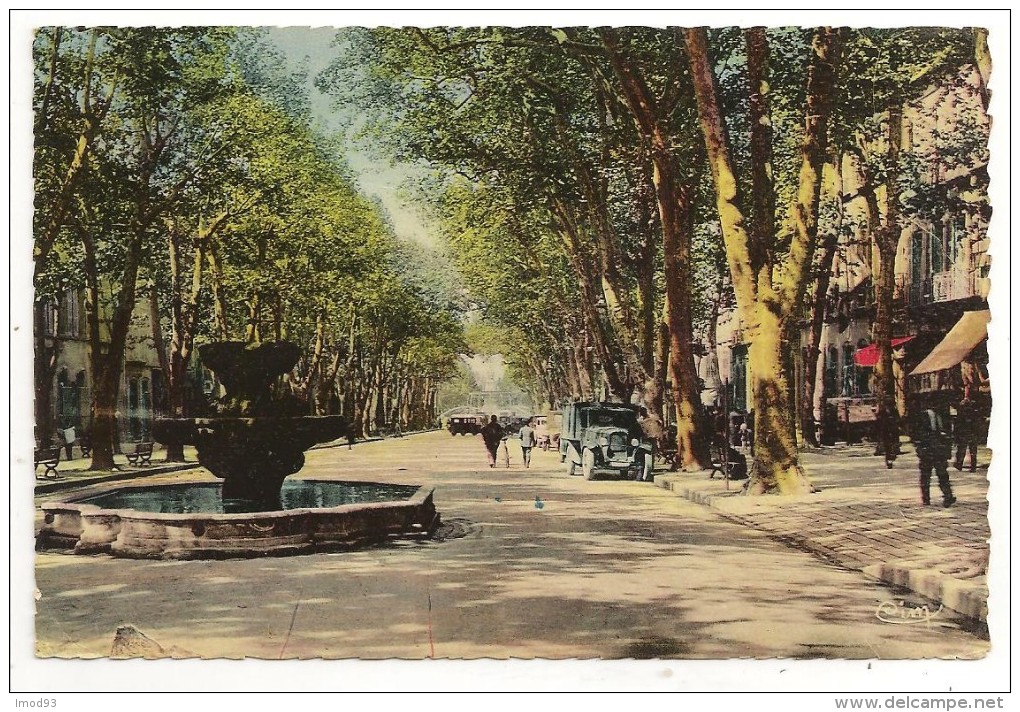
(941, 266)
(142, 388)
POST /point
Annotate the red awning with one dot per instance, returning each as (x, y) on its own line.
(868, 355)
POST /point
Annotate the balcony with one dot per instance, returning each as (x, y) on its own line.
(951, 285)
(937, 288)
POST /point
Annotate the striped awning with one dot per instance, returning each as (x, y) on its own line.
(969, 331)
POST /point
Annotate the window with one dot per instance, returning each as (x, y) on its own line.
(49, 314)
(739, 376)
(69, 398)
(957, 234)
(849, 370)
(830, 377)
(936, 252)
(69, 313)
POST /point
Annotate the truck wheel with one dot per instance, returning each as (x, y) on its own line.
(588, 464)
(570, 468)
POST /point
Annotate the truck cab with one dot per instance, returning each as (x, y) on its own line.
(604, 438)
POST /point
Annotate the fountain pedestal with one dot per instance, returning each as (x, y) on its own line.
(255, 439)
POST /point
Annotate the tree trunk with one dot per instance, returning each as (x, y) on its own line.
(766, 308)
(221, 327)
(673, 201)
(692, 443)
(775, 467)
(813, 349)
(886, 242)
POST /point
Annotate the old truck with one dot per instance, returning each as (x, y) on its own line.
(602, 438)
(465, 424)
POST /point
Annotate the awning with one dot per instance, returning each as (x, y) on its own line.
(970, 331)
(868, 355)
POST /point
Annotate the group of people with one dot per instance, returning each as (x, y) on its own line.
(495, 438)
(934, 433)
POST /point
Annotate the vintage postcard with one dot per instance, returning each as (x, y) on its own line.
(661, 349)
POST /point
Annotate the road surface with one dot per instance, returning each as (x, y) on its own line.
(532, 564)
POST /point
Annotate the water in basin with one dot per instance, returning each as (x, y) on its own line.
(206, 498)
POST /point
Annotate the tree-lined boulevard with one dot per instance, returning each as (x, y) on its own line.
(747, 237)
(602, 198)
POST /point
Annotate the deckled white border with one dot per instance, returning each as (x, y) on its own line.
(27, 673)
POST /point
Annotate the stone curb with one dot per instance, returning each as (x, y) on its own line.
(964, 597)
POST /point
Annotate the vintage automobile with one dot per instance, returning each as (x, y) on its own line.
(604, 438)
(464, 425)
(547, 430)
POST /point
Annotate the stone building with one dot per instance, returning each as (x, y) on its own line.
(941, 267)
(64, 328)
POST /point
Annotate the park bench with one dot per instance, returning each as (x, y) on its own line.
(85, 443)
(48, 457)
(142, 454)
(730, 469)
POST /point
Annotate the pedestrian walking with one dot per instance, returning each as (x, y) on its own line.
(528, 441)
(68, 437)
(965, 432)
(934, 445)
(492, 436)
(653, 432)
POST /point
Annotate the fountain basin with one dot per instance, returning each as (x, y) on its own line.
(88, 528)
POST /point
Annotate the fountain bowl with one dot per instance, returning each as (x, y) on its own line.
(86, 528)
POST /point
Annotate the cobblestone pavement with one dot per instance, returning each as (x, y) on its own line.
(869, 518)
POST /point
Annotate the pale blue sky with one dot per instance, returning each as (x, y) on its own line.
(376, 175)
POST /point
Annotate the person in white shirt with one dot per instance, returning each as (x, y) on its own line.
(528, 440)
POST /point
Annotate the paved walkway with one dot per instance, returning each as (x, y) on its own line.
(865, 517)
(869, 518)
(530, 563)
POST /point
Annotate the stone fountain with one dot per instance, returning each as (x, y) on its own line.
(253, 440)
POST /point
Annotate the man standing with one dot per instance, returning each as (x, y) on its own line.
(966, 431)
(528, 440)
(934, 445)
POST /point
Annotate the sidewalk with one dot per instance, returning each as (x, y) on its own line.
(76, 473)
(869, 518)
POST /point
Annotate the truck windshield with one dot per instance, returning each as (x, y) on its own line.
(618, 418)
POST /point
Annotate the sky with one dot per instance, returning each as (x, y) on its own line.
(377, 175)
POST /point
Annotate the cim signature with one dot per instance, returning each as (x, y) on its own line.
(901, 612)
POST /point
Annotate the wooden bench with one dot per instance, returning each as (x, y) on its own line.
(142, 454)
(48, 457)
(722, 464)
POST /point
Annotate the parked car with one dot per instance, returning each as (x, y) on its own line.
(604, 437)
(547, 430)
(464, 425)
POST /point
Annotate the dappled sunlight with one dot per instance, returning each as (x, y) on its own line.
(92, 591)
(603, 570)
